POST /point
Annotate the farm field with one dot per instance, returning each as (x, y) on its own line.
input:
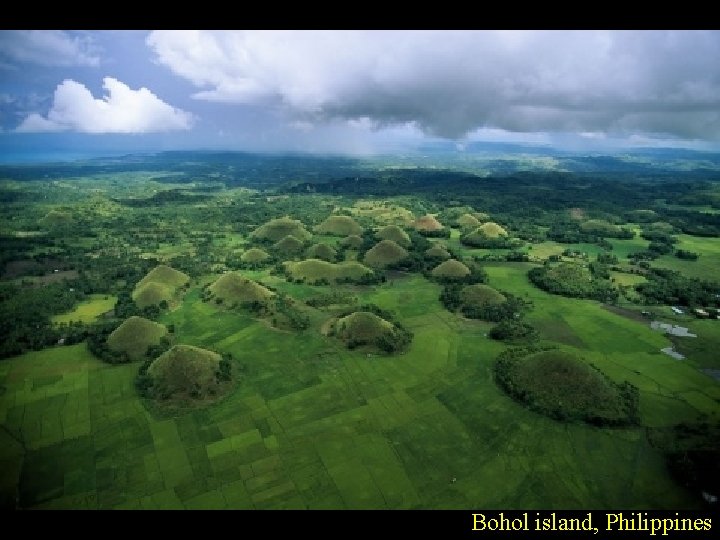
(375, 388)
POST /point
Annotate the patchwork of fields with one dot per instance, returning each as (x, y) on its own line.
(314, 425)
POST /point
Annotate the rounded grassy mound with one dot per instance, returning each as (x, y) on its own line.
(288, 246)
(599, 227)
(185, 374)
(314, 270)
(321, 251)
(352, 242)
(492, 230)
(480, 295)
(438, 251)
(451, 268)
(339, 226)
(564, 387)
(468, 221)
(277, 229)
(165, 275)
(57, 218)
(427, 223)
(362, 327)
(135, 335)
(254, 255)
(384, 253)
(234, 288)
(151, 294)
(394, 233)
(480, 216)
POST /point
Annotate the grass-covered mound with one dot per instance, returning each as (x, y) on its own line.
(167, 276)
(480, 295)
(450, 269)
(394, 233)
(185, 376)
(468, 221)
(574, 280)
(254, 256)
(315, 271)
(277, 229)
(339, 226)
(641, 216)
(232, 288)
(159, 286)
(600, 227)
(384, 253)
(288, 246)
(369, 326)
(479, 301)
(427, 223)
(135, 335)
(437, 251)
(57, 218)
(564, 387)
(487, 235)
(151, 294)
(321, 251)
(352, 242)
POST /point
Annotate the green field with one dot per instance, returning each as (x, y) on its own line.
(88, 310)
(313, 425)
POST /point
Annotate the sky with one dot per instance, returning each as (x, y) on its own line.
(354, 92)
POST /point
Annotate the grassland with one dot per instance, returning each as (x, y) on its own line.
(88, 310)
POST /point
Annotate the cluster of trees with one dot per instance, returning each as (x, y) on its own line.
(512, 308)
(333, 297)
(594, 288)
(669, 287)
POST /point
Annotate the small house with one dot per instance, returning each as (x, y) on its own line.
(677, 310)
(702, 313)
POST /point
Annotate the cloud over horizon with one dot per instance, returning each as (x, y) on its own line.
(122, 110)
(450, 83)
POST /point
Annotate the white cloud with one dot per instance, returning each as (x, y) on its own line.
(450, 83)
(48, 48)
(122, 110)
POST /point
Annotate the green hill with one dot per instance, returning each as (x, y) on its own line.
(339, 226)
(394, 233)
(451, 268)
(151, 294)
(321, 251)
(480, 295)
(233, 288)
(254, 256)
(57, 218)
(185, 373)
(135, 335)
(384, 253)
(492, 230)
(277, 229)
(166, 275)
(427, 223)
(564, 387)
(600, 227)
(438, 251)
(313, 270)
(289, 246)
(468, 221)
(352, 242)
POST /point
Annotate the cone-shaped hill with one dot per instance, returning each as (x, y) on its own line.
(451, 269)
(321, 251)
(352, 242)
(315, 270)
(394, 233)
(186, 375)
(254, 256)
(364, 328)
(160, 284)
(233, 288)
(289, 246)
(468, 221)
(438, 251)
(427, 223)
(480, 295)
(339, 226)
(135, 335)
(277, 229)
(384, 253)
